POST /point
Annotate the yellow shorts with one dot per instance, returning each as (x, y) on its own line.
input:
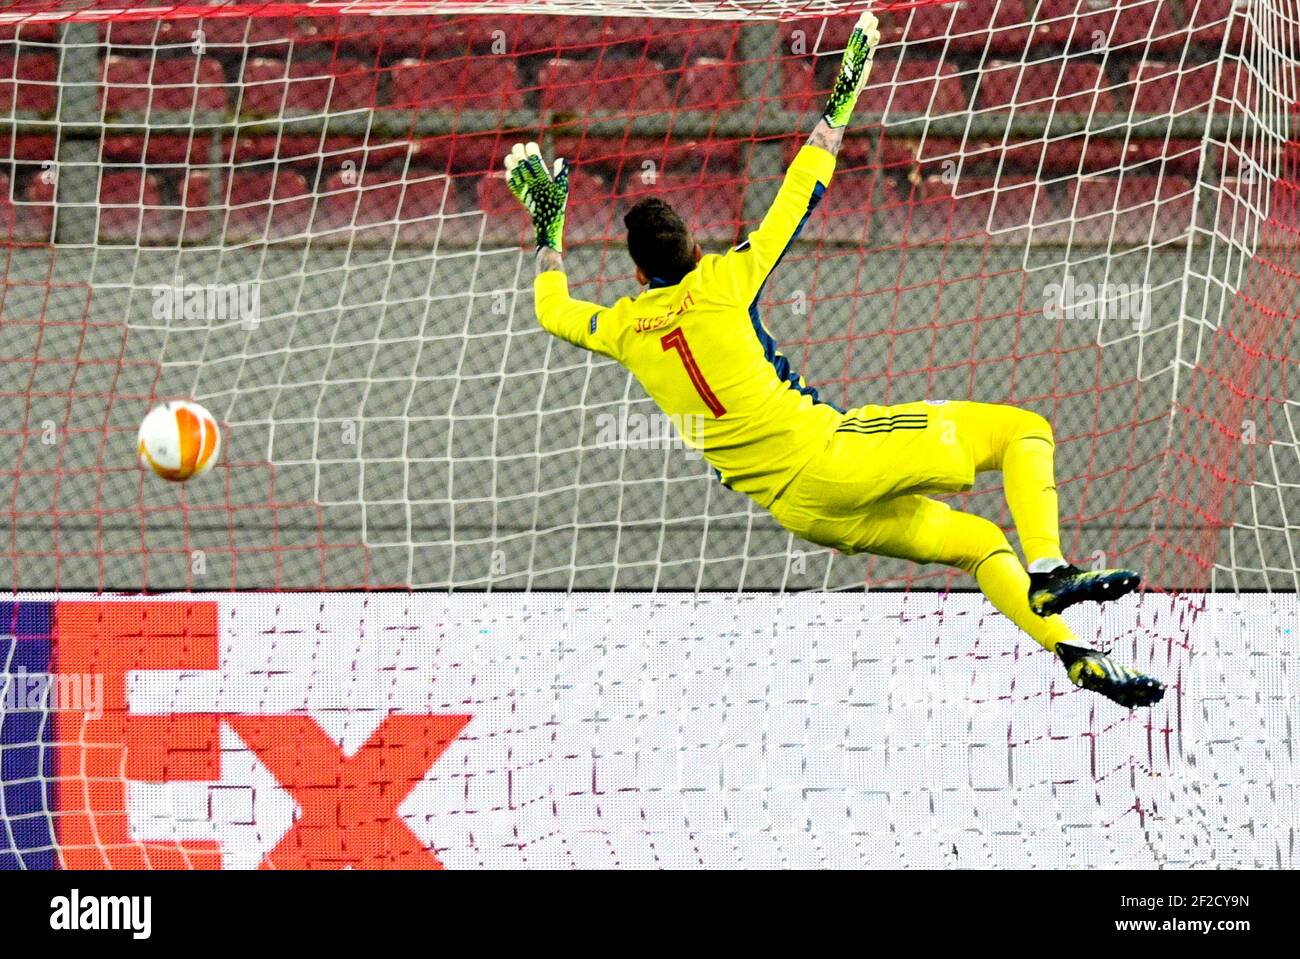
(875, 471)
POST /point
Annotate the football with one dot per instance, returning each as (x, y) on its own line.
(179, 440)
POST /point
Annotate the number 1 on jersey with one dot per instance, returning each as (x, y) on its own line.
(676, 340)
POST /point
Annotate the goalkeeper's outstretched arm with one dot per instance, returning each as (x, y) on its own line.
(545, 195)
(859, 54)
(742, 272)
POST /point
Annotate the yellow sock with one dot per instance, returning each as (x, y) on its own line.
(1027, 475)
(1004, 581)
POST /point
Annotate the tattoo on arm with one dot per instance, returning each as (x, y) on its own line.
(549, 259)
(827, 137)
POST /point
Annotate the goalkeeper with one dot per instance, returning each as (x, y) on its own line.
(855, 481)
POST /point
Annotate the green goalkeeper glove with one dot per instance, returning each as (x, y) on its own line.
(855, 69)
(544, 193)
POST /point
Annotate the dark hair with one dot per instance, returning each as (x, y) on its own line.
(659, 242)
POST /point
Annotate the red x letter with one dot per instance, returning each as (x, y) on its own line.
(349, 804)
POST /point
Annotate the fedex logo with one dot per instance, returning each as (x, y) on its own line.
(188, 738)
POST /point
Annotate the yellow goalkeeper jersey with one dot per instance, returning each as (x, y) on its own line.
(703, 354)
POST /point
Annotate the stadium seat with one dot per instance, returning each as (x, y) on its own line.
(1178, 156)
(609, 86)
(931, 87)
(273, 87)
(130, 207)
(1068, 155)
(467, 83)
(1129, 210)
(844, 215)
(464, 152)
(180, 84)
(1072, 86)
(1131, 26)
(196, 214)
(1128, 26)
(678, 39)
(583, 36)
(29, 33)
(972, 209)
(150, 33)
(35, 211)
(807, 36)
(159, 149)
(709, 203)
(267, 205)
(260, 35)
(372, 206)
(1162, 88)
(404, 36)
(28, 83)
(968, 26)
(618, 158)
(8, 219)
(708, 84)
(1210, 20)
(800, 92)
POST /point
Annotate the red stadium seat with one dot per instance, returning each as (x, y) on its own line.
(181, 84)
(1163, 88)
(709, 84)
(378, 202)
(617, 158)
(1130, 210)
(29, 33)
(470, 83)
(932, 87)
(262, 34)
(821, 35)
(677, 39)
(1069, 155)
(906, 153)
(844, 215)
(1178, 156)
(8, 218)
(968, 26)
(272, 87)
(1070, 86)
(35, 211)
(157, 150)
(150, 33)
(267, 205)
(800, 91)
(709, 203)
(581, 36)
(1132, 26)
(972, 209)
(196, 198)
(464, 152)
(975, 209)
(1210, 20)
(613, 86)
(29, 83)
(130, 207)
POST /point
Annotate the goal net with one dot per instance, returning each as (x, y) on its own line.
(293, 214)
